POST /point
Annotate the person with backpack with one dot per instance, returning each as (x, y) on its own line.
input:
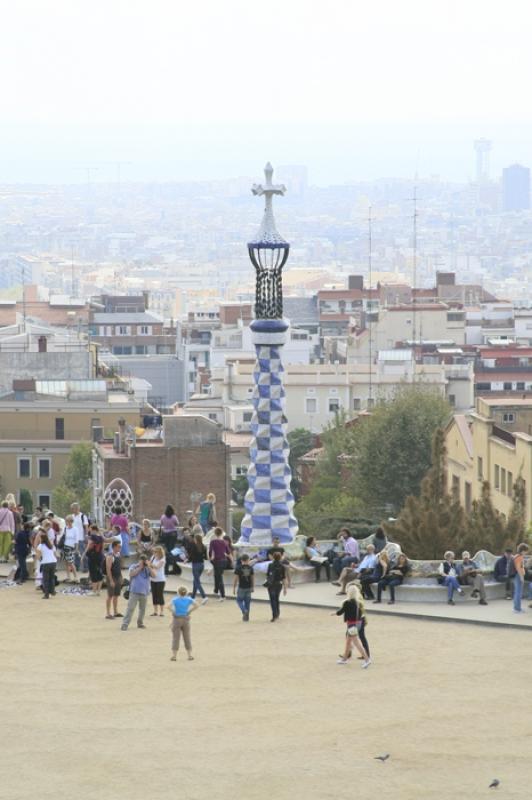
(244, 580)
(275, 582)
(517, 572)
(22, 551)
(352, 610)
(207, 513)
(47, 555)
(113, 575)
(95, 558)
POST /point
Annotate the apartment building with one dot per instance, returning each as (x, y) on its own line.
(316, 392)
(186, 461)
(481, 447)
(40, 422)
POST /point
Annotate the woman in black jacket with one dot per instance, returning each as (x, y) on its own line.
(352, 611)
(275, 581)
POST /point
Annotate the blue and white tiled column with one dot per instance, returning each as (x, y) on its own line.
(269, 501)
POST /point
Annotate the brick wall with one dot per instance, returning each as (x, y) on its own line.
(158, 476)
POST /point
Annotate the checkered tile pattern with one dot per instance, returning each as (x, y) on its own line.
(269, 502)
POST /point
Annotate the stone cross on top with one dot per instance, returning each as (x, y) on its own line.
(268, 234)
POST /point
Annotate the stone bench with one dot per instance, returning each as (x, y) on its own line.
(428, 590)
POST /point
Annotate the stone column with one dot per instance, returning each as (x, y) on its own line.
(269, 501)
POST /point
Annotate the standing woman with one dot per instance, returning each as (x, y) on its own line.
(218, 554)
(119, 517)
(145, 538)
(181, 607)
(207, 512)
(7, 531)
(275, 581)
(197, 554)
(95, 558)
(168, 530)
(48, 559)
(352, 611)
(157, 581)
(69, 541)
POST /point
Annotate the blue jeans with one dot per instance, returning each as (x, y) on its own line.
(243, 598)
(518, 592)
(275, 593)
(197, 569)
(391, 583)
(452, 585)
(342, 561)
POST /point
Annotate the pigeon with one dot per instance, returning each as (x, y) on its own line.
(384, 758)
(495, 782)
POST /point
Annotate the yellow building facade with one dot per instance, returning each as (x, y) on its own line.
(488, 446)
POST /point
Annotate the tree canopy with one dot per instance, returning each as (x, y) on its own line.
(75, 481)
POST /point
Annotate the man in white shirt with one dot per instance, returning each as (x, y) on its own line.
(81, 526)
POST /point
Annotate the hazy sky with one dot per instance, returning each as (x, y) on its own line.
(202, 88)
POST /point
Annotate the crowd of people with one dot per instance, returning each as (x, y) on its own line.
(158, 549)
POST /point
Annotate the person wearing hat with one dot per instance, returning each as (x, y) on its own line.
(470, 575)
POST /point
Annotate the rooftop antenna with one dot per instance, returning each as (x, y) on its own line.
(414, 281)
(370, 322)
(24, 296)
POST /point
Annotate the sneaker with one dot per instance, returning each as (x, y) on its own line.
(142, 625)
(336, 583)
(475, 593)
(221, 599)
(123, 627)
(483, 602)
(119, 615)
(377, 601)
(342, 661)
(366, 663)
(391, 602)
(451, 603)
(205, 600)
(460, 591)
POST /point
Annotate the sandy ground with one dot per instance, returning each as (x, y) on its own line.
(263, 712)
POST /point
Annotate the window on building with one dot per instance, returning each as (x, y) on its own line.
(497, 479)
(241, 470)
(508, 416)
(247, 415)
(452, 400)
(59, 428)
(214, 417)
(43, 500)
(356, 404)
(483, 387)
(334, 405)
(311, 405)
(507, 386)
(24, 467)
(503, 480)
(467, 497)
(456, 486)
(144, 330)
(520, 386)
(122, 330)
(480, 469)
(371, 402)
(44, 468)
(509, 483)
(141, 350)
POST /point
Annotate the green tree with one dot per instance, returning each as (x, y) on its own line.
(433, 522)
(515, 528)
(301, 441)
(485, 526)
(75, 481)
(391, 451)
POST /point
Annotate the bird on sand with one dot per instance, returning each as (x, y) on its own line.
(495, 782)
(382, 758)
